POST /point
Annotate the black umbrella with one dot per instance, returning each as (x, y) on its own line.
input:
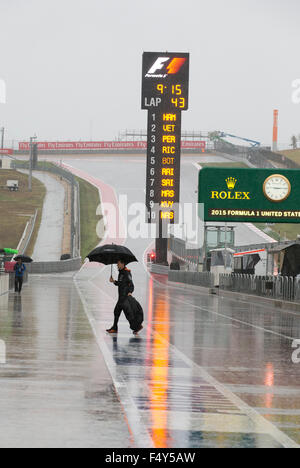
(23, 258)
(110, 254)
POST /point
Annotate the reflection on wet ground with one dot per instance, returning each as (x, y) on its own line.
(55, 388)
(205, 372)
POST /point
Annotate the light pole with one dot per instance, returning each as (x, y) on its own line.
(2, 137)
(30, 163)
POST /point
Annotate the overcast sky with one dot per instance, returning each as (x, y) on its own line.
(73, 67)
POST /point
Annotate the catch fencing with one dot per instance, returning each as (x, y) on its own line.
(180, 249)
(276, 287)
(204, 279)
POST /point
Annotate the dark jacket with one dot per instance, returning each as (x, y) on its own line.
(125, 283)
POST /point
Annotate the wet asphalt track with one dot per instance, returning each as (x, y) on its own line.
(206, 371)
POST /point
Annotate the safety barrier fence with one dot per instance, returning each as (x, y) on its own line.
(277, 287)
(65, 266)
(259, 157)
(279, 159)
(75, 205)
(180, 249)
(204, 279)
(27, 235)
(7, 280)
(159, 269)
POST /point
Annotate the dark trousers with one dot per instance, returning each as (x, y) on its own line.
(118, 310)
(18, 284)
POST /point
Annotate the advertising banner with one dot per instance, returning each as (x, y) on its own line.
(250, 195)
(103, 145)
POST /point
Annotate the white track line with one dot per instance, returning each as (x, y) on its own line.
(267, 427)
(141, 435)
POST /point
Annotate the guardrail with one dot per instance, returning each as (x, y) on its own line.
(75, 214)
(26, 237)
(204, 279)
(277, 287)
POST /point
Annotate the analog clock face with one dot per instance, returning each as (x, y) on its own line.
(277, 188)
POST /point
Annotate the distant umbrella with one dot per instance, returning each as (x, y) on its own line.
(24, 259)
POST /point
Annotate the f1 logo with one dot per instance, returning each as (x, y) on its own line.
(158, 65)
(174, 66)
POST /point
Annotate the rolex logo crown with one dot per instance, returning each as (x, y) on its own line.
(231, 181)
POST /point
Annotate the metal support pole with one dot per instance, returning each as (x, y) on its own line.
(30, 163)
(161, 244)
(30, 167)
(2, 137)
(225, 247)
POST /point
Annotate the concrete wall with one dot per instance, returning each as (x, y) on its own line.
(54, 267)
(159, 269)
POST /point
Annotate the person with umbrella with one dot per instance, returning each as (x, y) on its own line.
(122, 256)
(20, 269)
(126, 287)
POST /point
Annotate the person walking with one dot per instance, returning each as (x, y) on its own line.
(126, 288)
(19, 269)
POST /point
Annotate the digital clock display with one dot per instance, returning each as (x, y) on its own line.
(165, 81)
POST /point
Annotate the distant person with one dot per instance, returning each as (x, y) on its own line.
(126, 288)
(19, 269)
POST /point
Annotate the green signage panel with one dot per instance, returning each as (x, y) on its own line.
(250, 195)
